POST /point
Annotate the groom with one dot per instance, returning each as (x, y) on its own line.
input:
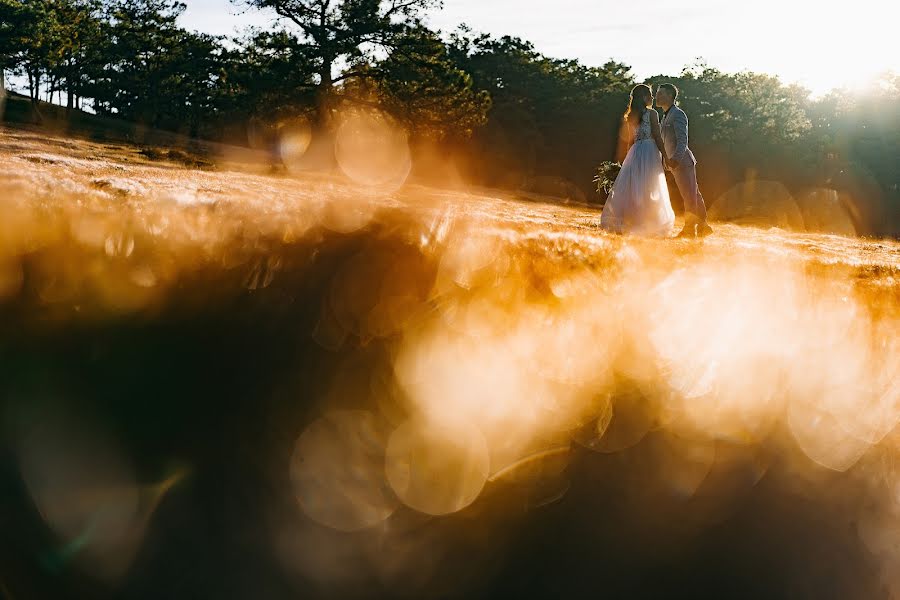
(681, 162)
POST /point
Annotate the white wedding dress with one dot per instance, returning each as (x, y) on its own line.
(639, 202)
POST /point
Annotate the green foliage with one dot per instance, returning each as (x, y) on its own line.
(269, 75)
(419, 85)
(77, 39)
(27, 35)
(855, 140)
(548, 117)
(152, 71)
(748, 122)
(14, 19)
(348, 33)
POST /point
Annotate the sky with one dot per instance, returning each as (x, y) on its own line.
(821, 44)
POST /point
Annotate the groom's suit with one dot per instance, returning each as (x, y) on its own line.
(675, 139)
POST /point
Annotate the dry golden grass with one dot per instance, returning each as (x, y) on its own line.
(478, 342)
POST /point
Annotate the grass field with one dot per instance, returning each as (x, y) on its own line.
(221, 382)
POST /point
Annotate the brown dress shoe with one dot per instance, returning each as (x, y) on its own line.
(704, 230)
(689, 232)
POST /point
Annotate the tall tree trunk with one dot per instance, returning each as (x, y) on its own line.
(325, 94)
(34, 90)
(320, 154)
(70, 87)
(194, 127)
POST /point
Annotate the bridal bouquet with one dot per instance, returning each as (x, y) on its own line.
(606, 176)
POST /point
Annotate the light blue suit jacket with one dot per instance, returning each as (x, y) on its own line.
(675, 137)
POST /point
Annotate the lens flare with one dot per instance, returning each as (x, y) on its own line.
(437, 467)
(826, 211)
(294, 138)
(11, 278)
(337, 471)
(758, 202)
(86, 490)
(373, 151)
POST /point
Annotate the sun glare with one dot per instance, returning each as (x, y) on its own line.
(820, 45)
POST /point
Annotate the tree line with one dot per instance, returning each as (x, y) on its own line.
(504, 112)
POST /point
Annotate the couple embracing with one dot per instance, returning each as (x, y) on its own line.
(639, 202)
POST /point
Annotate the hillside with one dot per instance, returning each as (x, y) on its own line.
(19, 111)
(274, 385)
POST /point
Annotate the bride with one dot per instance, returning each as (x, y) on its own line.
(639, 202)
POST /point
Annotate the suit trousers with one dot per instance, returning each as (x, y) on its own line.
(685, 176)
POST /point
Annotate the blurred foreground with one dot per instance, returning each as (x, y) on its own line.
(227, 384)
